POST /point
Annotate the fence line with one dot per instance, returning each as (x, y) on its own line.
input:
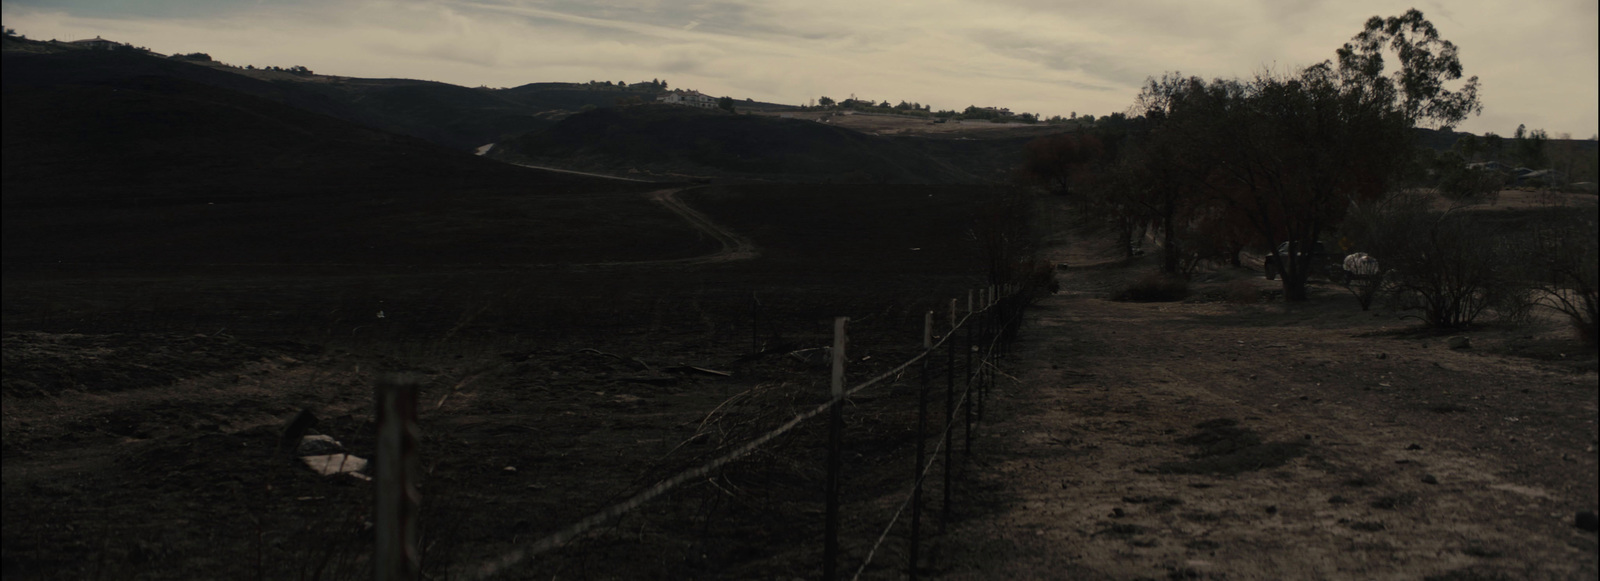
(943, 442)
(949, 426)
(990, 299)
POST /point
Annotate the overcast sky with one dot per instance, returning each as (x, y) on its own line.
(1537, 61)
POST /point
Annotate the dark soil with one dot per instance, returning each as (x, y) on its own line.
(144, 404)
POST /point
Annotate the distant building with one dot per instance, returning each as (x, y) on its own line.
(689, 98)
(96, 43)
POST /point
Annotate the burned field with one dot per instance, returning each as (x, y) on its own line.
(145, 402)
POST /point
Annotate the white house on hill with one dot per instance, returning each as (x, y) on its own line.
(690, 98)
(96, 43)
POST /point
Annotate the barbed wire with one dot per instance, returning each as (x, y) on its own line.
(511, 558)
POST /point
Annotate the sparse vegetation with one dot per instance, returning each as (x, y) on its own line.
(1562, 264)
(167, 307)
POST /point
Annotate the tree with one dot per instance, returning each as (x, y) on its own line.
(1529, 147)
(1057, 160)
(726, 104)
(825, 101)
(1294, 152)
(1494, 145)
(1426, 62)
(1468, 146)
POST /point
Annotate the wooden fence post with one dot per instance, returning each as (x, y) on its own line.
(830, 552)
(395, 486)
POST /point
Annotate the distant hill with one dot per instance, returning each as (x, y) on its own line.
(156, 168)
(456, 117)
(656, 139)
(670, 140)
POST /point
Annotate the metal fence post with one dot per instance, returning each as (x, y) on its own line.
(949, 411)
(967, 409)
(830, 552)
(922, 442)
(755, 324)
(395, 487)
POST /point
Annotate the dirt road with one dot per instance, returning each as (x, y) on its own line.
(1209, 440)
(734, 246)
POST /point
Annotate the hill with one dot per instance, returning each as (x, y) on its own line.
(119, 169)
(668, 140)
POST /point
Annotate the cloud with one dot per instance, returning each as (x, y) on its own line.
(1538, 63)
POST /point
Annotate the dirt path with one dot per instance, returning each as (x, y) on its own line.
(1214, 440)
(485, 149)
(734, 246)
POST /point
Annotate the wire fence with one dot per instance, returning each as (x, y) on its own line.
(988, 326)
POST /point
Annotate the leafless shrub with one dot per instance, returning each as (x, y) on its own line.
(1563, 257)
(1365, 288)
(1441, 264)
(1008, 235)
(1515, 306)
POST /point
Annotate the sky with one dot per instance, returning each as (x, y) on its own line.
(1538, 62)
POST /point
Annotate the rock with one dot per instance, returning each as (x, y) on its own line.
(1382, 356)
(509, 471)
(1586, 520)
(1272, 509)
(1429, 479)
(319, 445)
(1459, 342)
(1414, 447)
(1117, 513)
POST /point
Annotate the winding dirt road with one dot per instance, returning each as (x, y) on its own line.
(734, 246)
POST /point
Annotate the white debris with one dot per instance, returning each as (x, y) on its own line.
(334, 464)
(318, 444)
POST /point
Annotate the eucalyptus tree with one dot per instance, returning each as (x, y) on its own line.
(1294, 152)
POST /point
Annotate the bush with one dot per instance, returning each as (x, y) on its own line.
(1515, 306)
(1463, 184)
(1564, 258)
(1155, 288)
(1442, 264)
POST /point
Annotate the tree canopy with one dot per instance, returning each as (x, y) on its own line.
(1281, 157)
